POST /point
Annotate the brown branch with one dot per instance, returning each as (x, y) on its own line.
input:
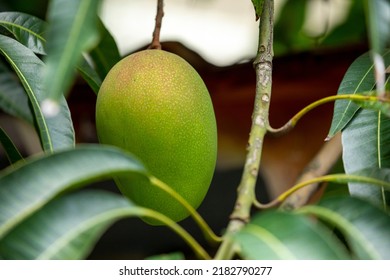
(157, 28)
(319, 166)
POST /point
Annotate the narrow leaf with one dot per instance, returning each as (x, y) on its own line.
(359, 78)
(67, 228)
(13, 98)
(89, 75)
(27, 29)
(72, 30)
(258, 5)
(55, 132)
(10, 149)
(27, 187)
(266, 237)
(106, 54)
(365, 227)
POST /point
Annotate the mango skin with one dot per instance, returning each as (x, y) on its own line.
(155, 105)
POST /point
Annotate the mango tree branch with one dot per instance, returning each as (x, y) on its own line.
(246, 189)
(157, 28)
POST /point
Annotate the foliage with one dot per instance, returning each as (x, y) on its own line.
(45, 214)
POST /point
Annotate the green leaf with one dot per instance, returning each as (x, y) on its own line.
(280, 235)
(89, 75)
(106, 54)
(288, 33)
(55, 132)
(30, 31)
(68, 227)
(27, 187)
(27, 29)
(358, 78)
(258, 5)
(365, 145)
(72, 30)
(349, 32)
(13, 98)
(10, 149)
(365, 227)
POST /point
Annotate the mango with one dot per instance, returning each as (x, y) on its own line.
(154, 105)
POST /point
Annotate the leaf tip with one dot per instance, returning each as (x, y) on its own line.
(328, 138)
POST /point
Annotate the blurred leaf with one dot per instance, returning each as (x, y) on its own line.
(72, 30)
(366, 145)
(351, 31)
(258, 5)
(333, 188)
(288, 28)
(171, 256)
(365, 227)
(27, 187)
(27, 29)
(55, 132)
(281, 235)
(378, 21)
(68, 227)
(106, 54)
(13, 98)
(358, 78)
(89, 75)
(10, 149)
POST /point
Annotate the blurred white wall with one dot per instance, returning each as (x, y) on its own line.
(222, 31)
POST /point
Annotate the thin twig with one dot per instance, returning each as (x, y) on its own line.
(246, 189)
(157, 28)
(294, 120)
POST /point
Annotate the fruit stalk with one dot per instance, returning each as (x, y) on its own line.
(246, 189)
(157, 28)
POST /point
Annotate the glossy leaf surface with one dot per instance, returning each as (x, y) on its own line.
(25, 188)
